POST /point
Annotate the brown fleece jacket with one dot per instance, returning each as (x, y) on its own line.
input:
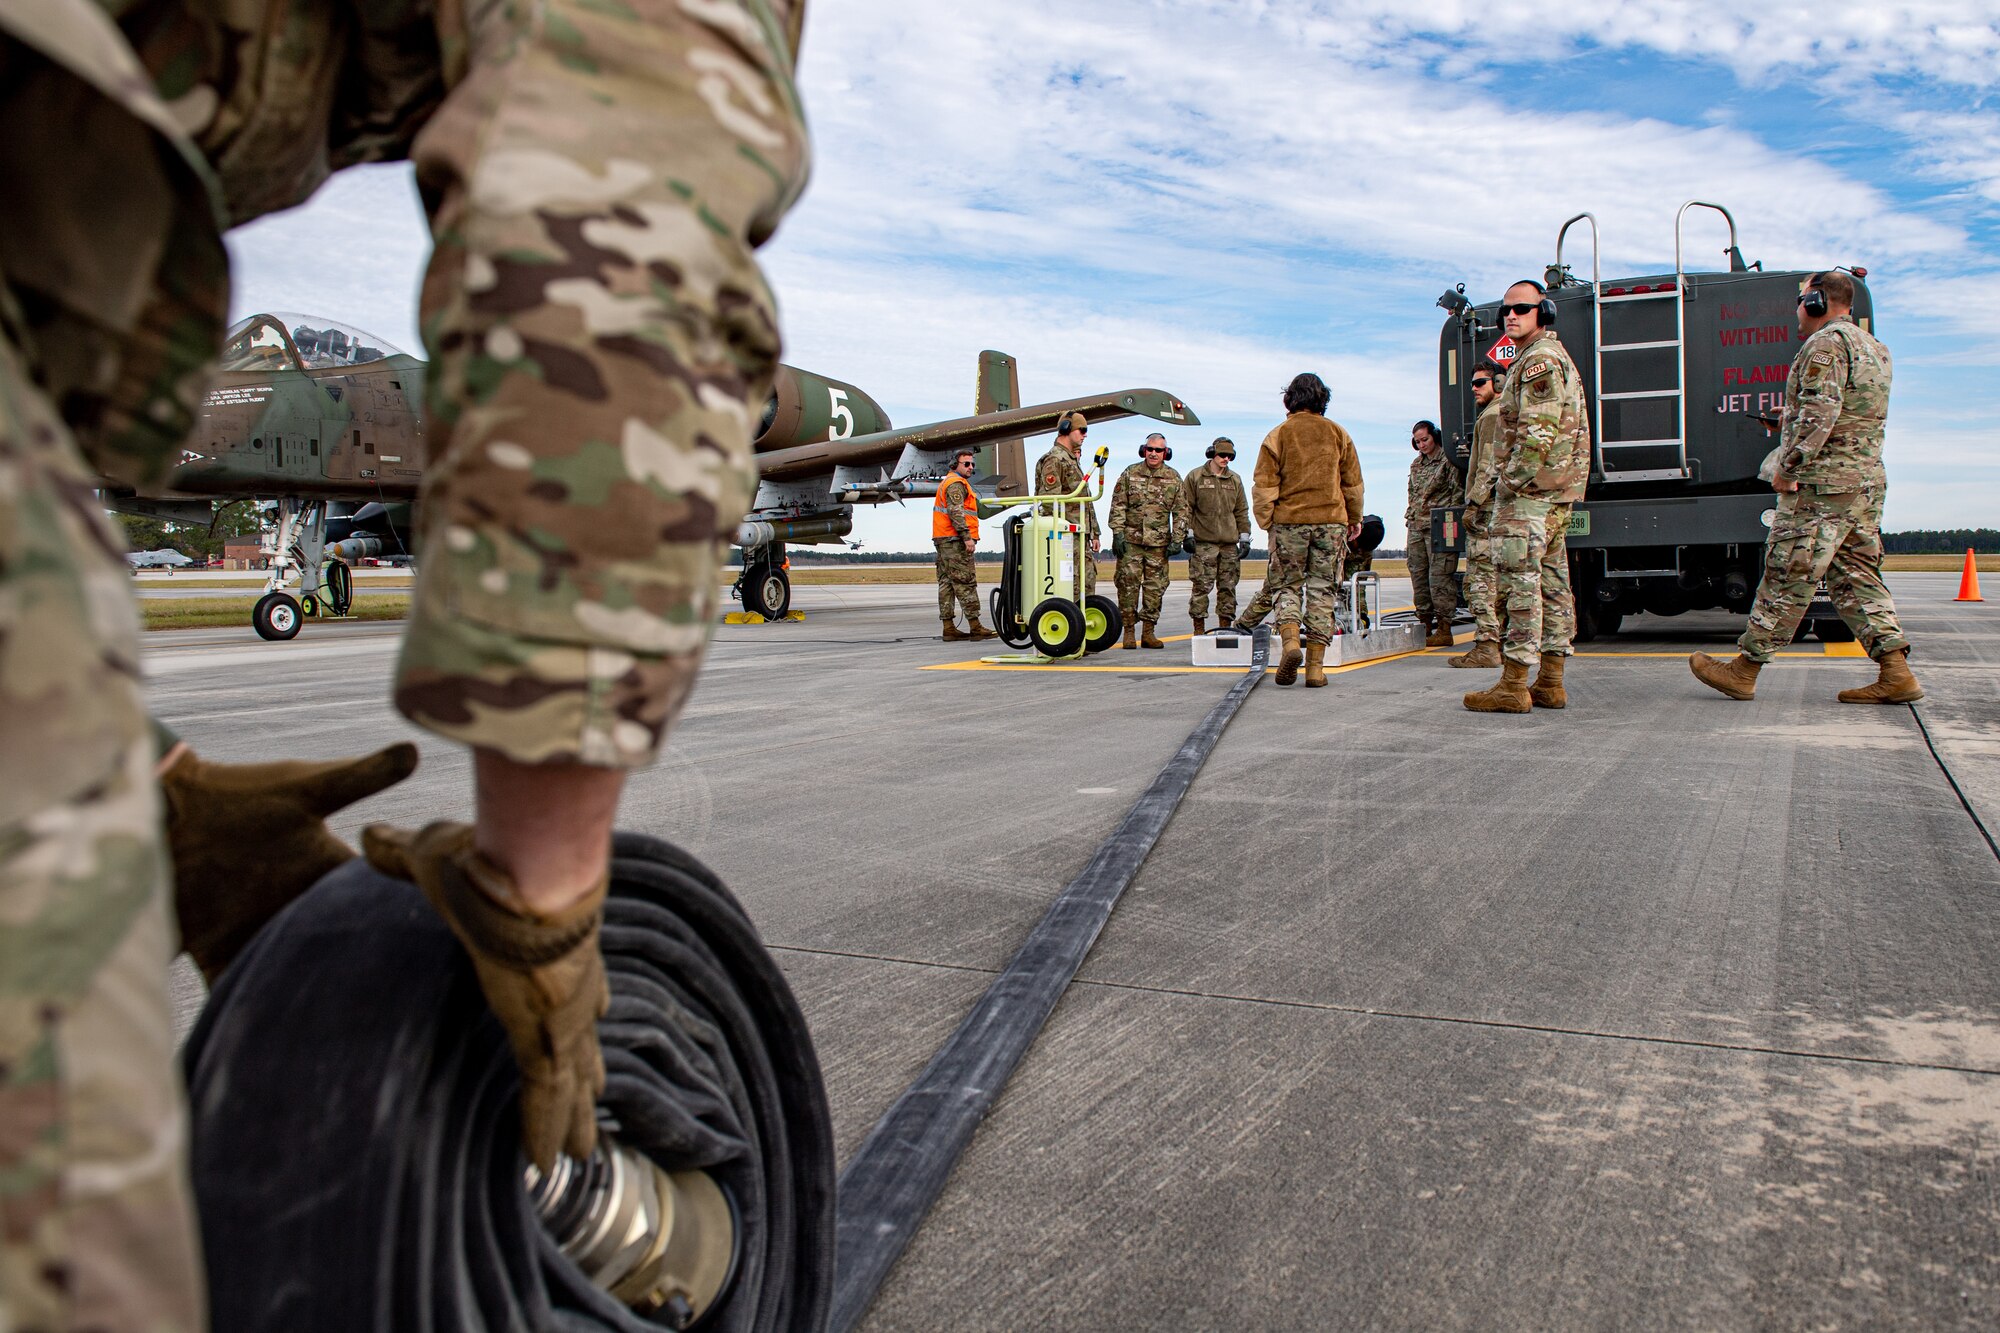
(1307, 472)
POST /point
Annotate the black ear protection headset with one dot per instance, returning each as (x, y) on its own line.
(1224, 440)
(1062, 426)
(1545, 310)
(1163, 444)
(1814, 301)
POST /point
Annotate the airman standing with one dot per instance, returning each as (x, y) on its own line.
(1219, 532)
(1433, 482)
(955, 534)
(1477, 521)
(1308, 497)
(1058, 472)
(1149, 515)
(1543, 462)
(1830, 483)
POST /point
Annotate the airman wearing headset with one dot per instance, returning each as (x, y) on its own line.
(1149, 515)
(1218, 534)
(1543, 461)
(1830, 483)
(1058, 472)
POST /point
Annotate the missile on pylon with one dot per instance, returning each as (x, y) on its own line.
(814, 528)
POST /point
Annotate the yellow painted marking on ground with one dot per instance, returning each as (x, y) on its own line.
(1845, 650)
(977, 665)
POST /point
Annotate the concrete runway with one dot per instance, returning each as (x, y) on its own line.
(1661, 1011)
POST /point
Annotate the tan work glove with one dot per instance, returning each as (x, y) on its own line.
(543, 975)
(248, 838)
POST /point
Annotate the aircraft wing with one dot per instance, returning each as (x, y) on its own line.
(886, 447)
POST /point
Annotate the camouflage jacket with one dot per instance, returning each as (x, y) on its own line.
(1544, 449)
(1149, 505)
(1058, 474)
(1481, 469)
(1218, 508)
(1836, 401)
(1433, 482)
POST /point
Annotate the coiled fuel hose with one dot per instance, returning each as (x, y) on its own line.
(355, 1130)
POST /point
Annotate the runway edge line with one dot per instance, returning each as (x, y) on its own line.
(907, 1158)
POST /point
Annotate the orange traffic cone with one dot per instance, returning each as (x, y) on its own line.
(1968, 582)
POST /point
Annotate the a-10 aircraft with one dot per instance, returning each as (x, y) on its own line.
(327, 421)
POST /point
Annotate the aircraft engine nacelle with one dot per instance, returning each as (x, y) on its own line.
(805, 408)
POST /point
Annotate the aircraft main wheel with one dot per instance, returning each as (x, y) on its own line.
(767, 590)
(1832, 629)
(276, 616)
(1057, 627)
(1101, 622)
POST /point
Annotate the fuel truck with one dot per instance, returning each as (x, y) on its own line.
(1684, 377)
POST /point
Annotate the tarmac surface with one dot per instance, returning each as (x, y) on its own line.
(1660, 1011)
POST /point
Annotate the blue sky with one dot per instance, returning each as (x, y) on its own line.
(1208, 198)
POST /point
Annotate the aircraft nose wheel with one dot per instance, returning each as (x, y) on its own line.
(276, 616)
(767, 590)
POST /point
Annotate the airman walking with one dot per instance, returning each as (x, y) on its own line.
(1543, 461)
(1476, 521)
(1307, 495)
(1830, 483)
(1149, 516)
(1218, 536)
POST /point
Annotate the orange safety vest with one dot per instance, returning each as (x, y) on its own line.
(941, 511)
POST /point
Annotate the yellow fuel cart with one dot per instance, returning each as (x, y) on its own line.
(1041, 599)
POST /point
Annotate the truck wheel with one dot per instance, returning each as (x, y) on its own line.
(1057, 627)
(1102, 623)
(276, 616)
(1832, 630)
(1608, 619)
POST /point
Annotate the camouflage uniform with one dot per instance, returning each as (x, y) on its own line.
(1433, 482)
(1149, 509)
(1305, 559)
(1477, 521)
(1830, 442)
(1057, 473)
(957, 576)
(597, 176)
(1218, 516)
(1542, 462)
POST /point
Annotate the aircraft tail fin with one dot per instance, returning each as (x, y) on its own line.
(1000, 391)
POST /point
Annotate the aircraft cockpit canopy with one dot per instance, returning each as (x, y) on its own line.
(280, 340)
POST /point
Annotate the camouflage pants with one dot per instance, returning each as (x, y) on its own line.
(1214, 565)
(957, 580)
(96, 1220)
(1142, 582)
(1431, 576)
(1480, 591)
(1530, 540)
(1305, 565)
(1836, 537)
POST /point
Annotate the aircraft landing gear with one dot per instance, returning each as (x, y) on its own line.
(276, 616)
(765, 587)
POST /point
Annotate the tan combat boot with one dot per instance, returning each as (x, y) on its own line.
(1736, 678)
(1895, 685)
(1440, 635)
(1288, 665)
(1510, 695)
(952, 633)
(1484, 653)
(1315, 664)
(980, 631)
(1200, 625)
(1147, 639)
(1131, 636)
(1547, 691)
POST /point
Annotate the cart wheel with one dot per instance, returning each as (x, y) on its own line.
(1101, 623)
(1057, 627)
(1832, 629)
(276, 616)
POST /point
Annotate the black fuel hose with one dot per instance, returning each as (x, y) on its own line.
(355, 1129)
